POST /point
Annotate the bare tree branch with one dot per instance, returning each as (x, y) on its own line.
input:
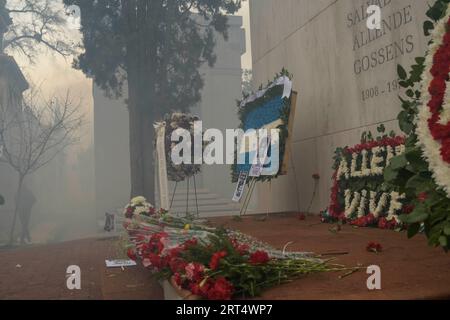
(38, 24)
(35, 133)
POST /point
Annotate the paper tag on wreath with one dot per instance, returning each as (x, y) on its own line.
(240, 186)
(257, 169)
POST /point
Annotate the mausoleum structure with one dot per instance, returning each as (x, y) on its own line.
(345, 75)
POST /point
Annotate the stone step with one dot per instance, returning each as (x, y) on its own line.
(219, 214)
(183, 196)
(191, 190)
(225, 214)
(202, 202)
(206, 208)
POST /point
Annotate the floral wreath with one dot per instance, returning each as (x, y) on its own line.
(378, 216)
(174, 121)
(252, 103)
(140, 206)
(433, 121)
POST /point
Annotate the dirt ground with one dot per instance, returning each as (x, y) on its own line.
(410, 269)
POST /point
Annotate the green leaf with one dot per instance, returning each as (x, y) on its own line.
(404, 84)
(416, 72)
(413, 229)
(433, 238)
(401, 72)
(414, 157)
(417, 216)
(418, 94)
(443, 241)
(398, 162)
(390, 175)
(410, 93)
(436, 11)
(420, 60)
(418, 183)
(438, 215)
(447, 230)
(404, 122)
(428, 27)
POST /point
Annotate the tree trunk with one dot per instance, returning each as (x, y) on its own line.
(16, 210)
(141, 154)
(141, 68)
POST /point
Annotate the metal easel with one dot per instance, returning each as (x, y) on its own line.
(187, 195)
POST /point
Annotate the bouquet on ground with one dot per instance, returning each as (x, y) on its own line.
(213, 263)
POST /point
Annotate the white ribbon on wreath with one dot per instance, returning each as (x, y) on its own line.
(160, 129)
(284, 80)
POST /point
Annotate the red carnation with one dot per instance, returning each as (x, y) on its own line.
(190, 243)
(259, 257)
(156, 242)
(194, 271)
(174, 252)
(215, 259)
(445, 150)
(369, 219)
(242, 249)
(177, 265)
(131, 253)
(129, 212)
(383, 223)
(178, 279)
(374, 247)
(221, 289)
(437, 87)
(422, 197)
(155, 261)
(200, 288)
(407, 209)
(434, 104)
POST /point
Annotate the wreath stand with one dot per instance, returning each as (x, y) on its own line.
(161, 174)
(251, 189)
(187, 195)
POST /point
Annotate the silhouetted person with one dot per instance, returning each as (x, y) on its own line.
(26, 203)
(109, 222)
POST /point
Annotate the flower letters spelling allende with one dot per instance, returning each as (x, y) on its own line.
(358, 194)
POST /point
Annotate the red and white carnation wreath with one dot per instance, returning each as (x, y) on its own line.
(433, 121)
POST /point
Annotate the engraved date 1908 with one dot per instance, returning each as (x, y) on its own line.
(376, 91)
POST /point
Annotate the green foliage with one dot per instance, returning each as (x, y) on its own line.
(410, 172)
(159, 44)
